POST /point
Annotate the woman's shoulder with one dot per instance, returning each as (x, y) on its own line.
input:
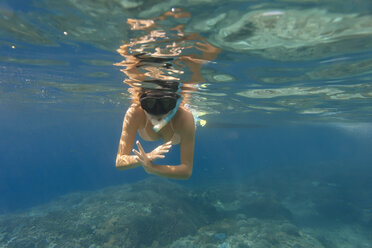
(135, 112)
(184, 118)
(135, 109)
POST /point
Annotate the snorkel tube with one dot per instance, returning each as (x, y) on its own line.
(166, 119)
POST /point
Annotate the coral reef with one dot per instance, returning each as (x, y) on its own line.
(157, 213)
(147, 213)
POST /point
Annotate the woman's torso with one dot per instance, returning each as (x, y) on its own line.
(167, 133)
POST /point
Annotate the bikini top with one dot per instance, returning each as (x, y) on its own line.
(176, 138)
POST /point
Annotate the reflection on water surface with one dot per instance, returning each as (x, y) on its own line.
(292, 60)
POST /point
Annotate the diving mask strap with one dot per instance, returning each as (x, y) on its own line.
(166, 119)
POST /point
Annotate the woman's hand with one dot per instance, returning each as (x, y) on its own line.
(159, 151)
(147, 159)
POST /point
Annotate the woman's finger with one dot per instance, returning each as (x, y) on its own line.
(163, 151)
(139, 157)
(140, 147)
(165, 147)
(169, 143)
(137, 153)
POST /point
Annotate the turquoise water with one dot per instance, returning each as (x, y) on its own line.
(283, 92)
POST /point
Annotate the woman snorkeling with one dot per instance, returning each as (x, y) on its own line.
(158, 114)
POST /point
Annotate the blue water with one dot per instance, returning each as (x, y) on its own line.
(283, 160)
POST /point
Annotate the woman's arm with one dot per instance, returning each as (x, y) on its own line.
(130, 126)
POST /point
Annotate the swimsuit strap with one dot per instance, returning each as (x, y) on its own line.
(171, 122)
(147, 121)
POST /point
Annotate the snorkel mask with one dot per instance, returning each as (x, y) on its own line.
(157, 103)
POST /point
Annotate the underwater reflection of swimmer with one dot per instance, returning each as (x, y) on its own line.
(158, 114)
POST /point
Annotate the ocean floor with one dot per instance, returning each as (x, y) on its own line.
(159, 213)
